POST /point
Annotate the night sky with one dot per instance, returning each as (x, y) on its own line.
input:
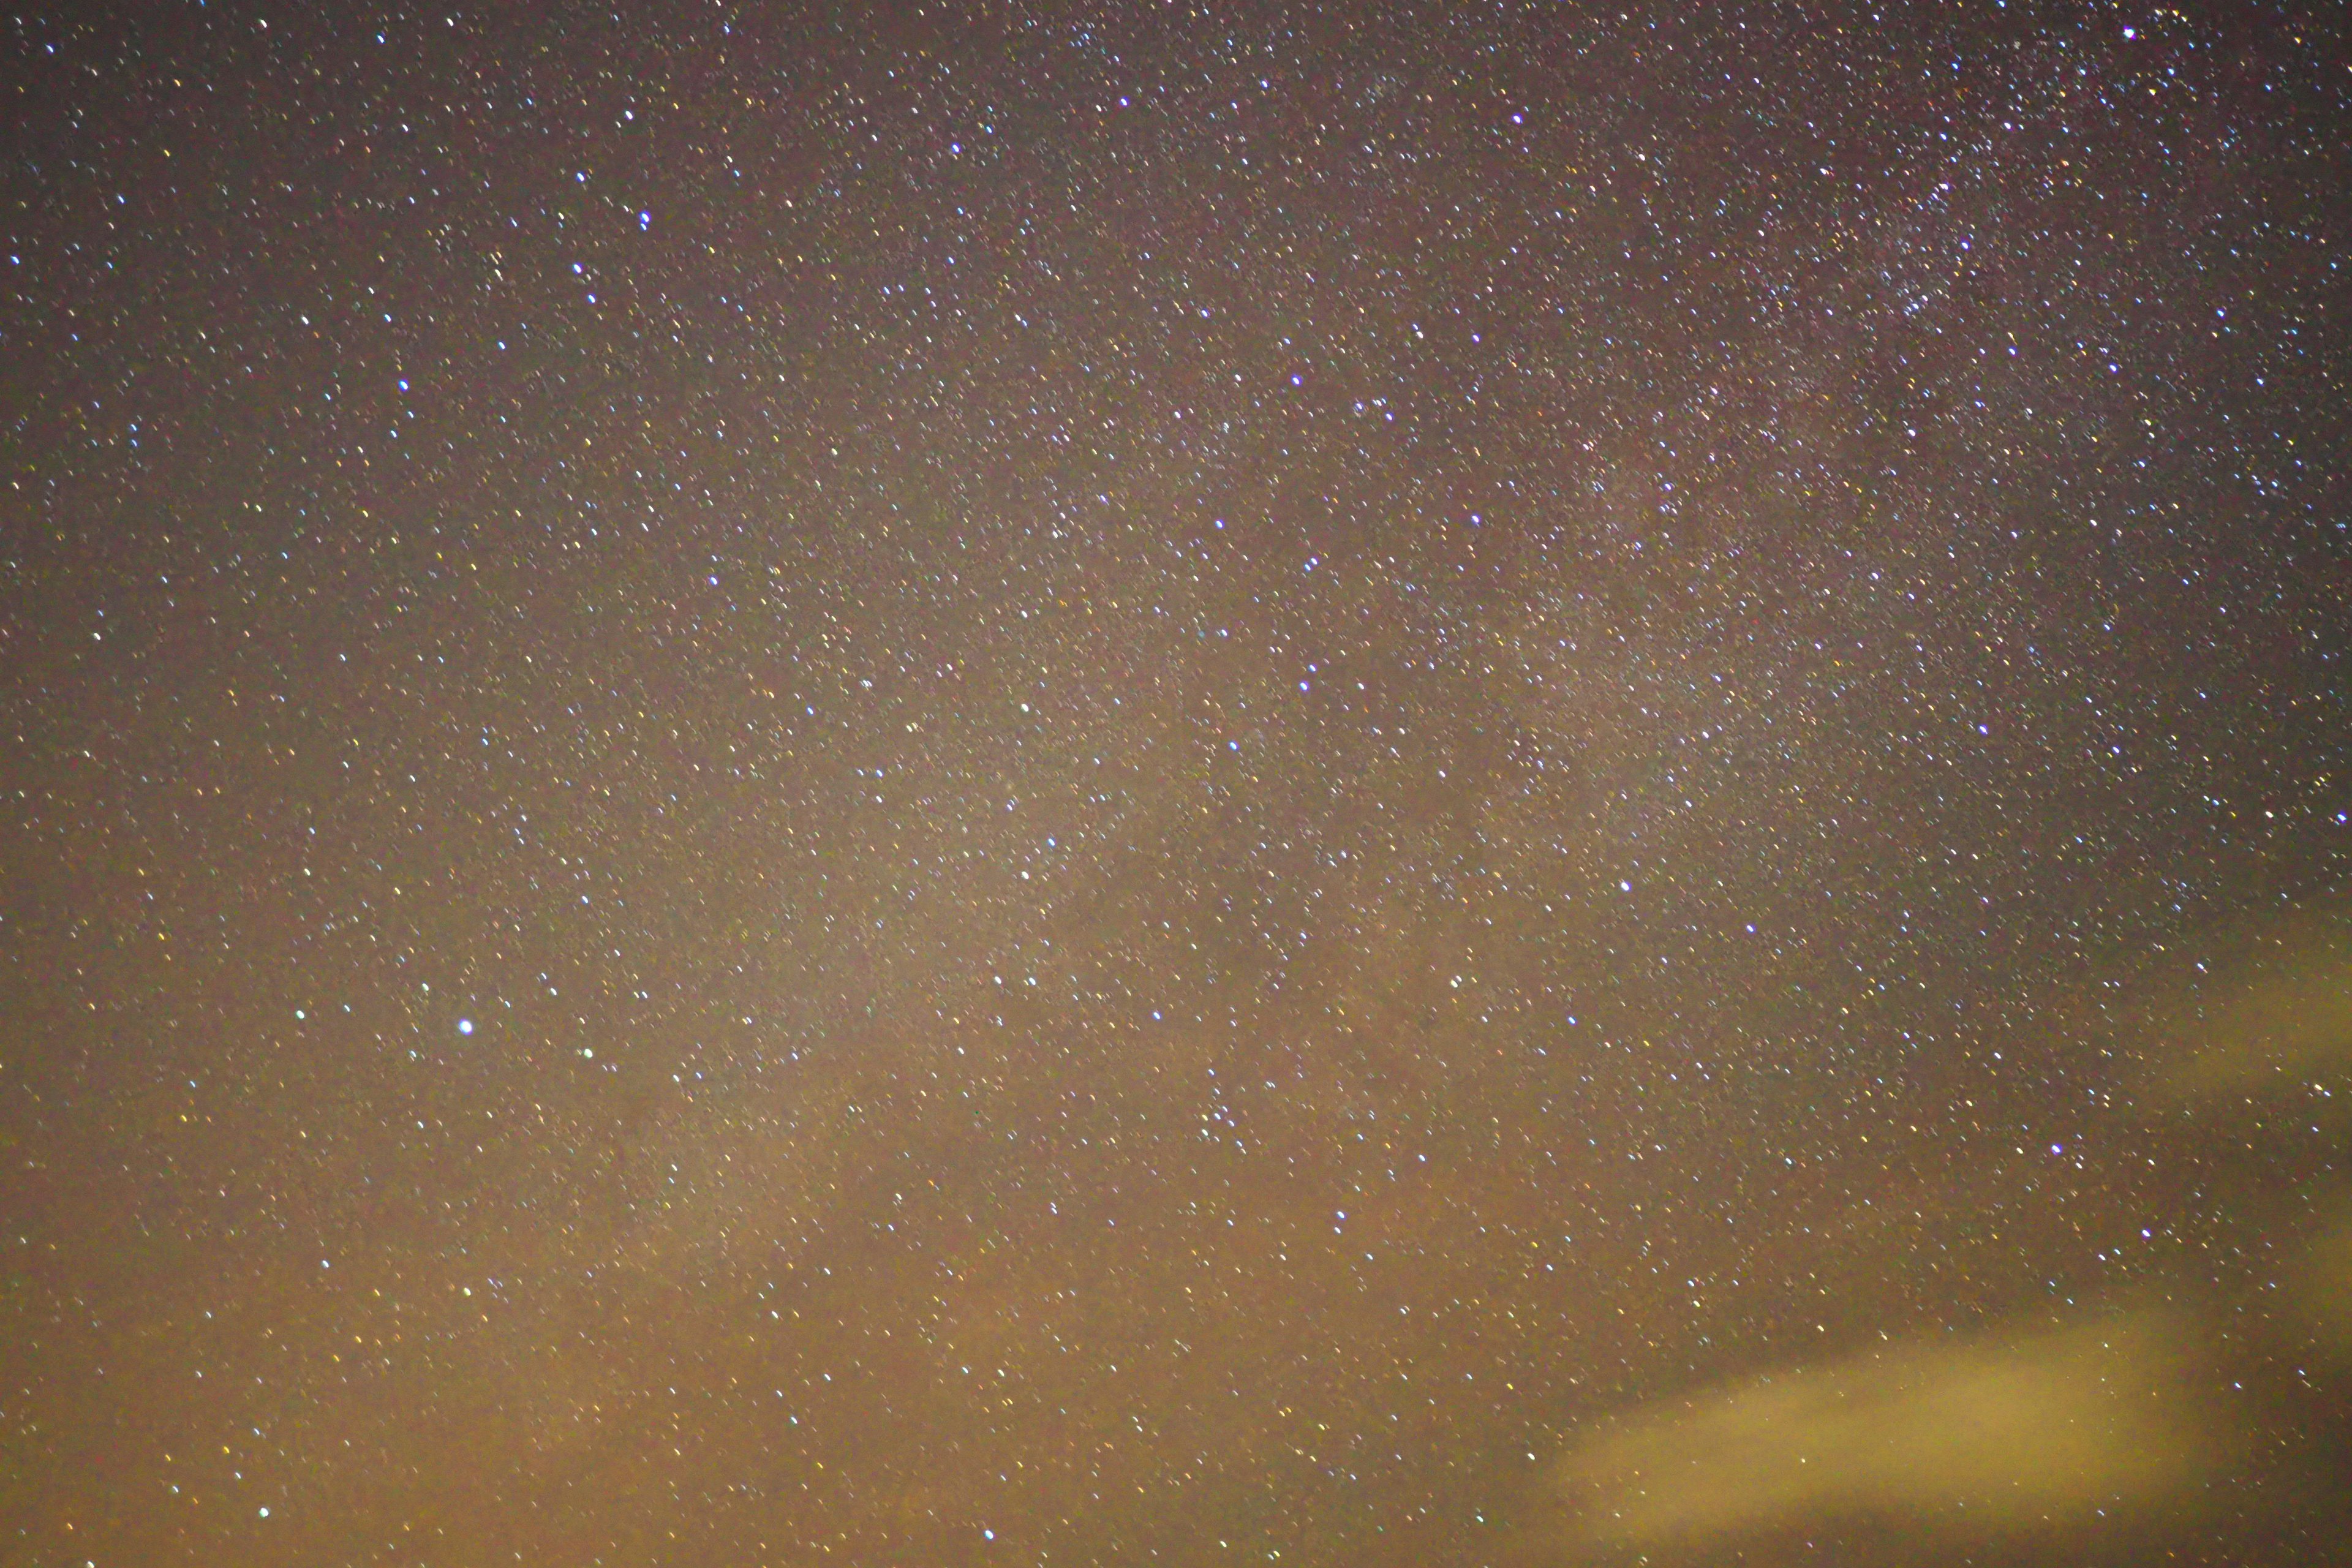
(1037, 784)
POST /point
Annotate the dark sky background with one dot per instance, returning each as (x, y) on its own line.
(1046, 785)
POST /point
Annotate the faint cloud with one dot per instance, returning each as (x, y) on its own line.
(2322, 1289)
(1986, 1437)
(2274, 1014)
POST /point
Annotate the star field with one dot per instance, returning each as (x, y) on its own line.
(1048, 784)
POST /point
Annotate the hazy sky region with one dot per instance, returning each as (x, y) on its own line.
(1381, 786)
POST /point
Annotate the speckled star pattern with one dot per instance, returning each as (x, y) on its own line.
(1043, 785)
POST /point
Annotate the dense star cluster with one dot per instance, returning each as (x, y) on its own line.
(1047, 784)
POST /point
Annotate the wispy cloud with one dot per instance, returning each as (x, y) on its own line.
(1985, 1434)
(2274, 1017)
